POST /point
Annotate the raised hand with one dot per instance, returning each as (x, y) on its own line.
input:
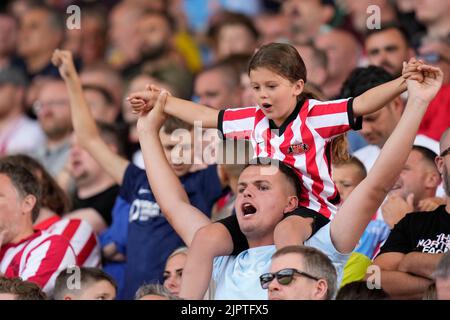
(428, 88)
(154, 119)
(395, 208)
(64, 61)
(143, 101)
(411, 70)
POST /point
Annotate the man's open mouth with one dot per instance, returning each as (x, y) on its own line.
(248, 208)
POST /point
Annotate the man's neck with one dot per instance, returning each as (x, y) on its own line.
(55, 143)
(36, 63)
(447, 207)
(26, 232)
(260, 241)
(44, 214)
(100, 184)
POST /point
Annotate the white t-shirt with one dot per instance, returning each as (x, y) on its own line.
(237, 277)
(22, 136)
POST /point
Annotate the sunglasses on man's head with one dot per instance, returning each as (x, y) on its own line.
(284, 277)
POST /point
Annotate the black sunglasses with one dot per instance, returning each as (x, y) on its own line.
(445, 152)
(284, 277)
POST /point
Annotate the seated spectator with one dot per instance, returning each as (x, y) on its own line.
(233, 33)
(174, 270)
(8, 40)
(41, 30)
(53, 113)
(18, 133)
(358, 290)
(343, 53)
(316, 63)
(415, 189)
(96, 190)
(55, 203)
(272, 27)
(154, 292)
(104, 77)
(388, 47)
(84, 284)
(417, 243)
(377, 126)
(442, 278)
(35, 256)
(17, 289)
(308, 19)
(301, 273)
(101, 102)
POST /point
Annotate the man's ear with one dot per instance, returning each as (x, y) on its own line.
(432, 179)
(291, 204)
(320, 290)
(28, 203)
(439, 164)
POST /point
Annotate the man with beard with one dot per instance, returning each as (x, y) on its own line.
(53, 112)
(156, 30)
(388, 47)
(418, 242)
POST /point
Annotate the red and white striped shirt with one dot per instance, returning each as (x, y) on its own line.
(39, 259)
(80, 235)
(303, 141)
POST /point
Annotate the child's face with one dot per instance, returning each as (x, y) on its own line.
(276, 95)
(179, 151)
(346, 178)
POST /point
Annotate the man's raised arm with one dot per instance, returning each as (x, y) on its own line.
(83, 122)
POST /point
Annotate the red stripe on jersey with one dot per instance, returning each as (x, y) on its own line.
(51, 261)
(328, 108)
(267, 135)
(259, 116)
(311, 166)
(329, 150)
(332, 131)
(87, 250)
(239, 134)
(239, 114)
(289, 157)
(47, 223)
(71, 228)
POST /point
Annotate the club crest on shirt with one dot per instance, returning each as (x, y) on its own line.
(298, 148)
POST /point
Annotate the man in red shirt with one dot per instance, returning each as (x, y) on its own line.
(34, 256)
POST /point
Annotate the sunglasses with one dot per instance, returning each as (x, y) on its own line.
(445, 152)
(284, 277)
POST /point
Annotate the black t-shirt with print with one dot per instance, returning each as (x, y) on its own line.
(426, 232)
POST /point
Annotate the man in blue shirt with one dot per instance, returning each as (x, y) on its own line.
(150, 238)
